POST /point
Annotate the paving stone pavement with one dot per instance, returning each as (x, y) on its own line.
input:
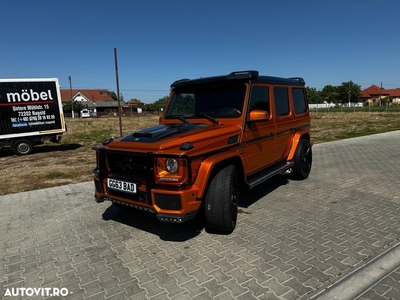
(387, 288)
(293, 238)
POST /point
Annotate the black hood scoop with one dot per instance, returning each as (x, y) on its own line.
(158, 132)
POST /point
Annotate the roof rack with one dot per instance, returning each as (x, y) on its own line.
(181, 80)
(299, 79)
(243, 74)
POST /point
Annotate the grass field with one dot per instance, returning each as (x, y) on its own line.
(331, 126)
(73, 160)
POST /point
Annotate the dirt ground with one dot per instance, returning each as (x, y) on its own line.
(50, 165)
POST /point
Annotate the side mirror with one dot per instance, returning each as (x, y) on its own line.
(259, 115)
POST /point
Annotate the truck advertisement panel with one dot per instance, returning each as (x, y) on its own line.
(30, 106)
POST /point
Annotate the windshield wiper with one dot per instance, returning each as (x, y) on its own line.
(178, 117)
(212, 119)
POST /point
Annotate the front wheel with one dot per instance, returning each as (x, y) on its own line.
(23, 147)
(302, 160)
(221, 201)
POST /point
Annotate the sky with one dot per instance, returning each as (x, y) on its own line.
(160, 41)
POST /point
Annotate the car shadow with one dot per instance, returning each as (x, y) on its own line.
(43, 149)
(148, 222)
(60, 147)
(249, 197)
(182, 232)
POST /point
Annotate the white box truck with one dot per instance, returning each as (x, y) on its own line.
(30, 113)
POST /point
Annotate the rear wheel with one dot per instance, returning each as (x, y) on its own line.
(23, 147)
(221, 201)
(302, 160)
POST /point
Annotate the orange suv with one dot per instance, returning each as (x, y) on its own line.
(216, 133)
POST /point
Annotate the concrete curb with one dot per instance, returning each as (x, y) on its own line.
(359, 281)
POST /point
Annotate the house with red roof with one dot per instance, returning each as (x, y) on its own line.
(374, 95)
(98, 102)
(395, 95)
(134, 105)
(134, 102)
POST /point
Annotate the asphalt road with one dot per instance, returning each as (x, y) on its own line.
(334, 235)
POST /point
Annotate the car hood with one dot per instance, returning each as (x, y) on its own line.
(159, 132)
(167, 136)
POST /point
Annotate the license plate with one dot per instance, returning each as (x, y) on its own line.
(119, 185)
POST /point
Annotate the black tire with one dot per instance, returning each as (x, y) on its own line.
(221, 201)
(302, 160)
(23, 147)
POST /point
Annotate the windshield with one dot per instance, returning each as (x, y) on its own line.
(207, 102)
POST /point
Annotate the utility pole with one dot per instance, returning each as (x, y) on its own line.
(72, 102)
(349, 93)
(118, 95)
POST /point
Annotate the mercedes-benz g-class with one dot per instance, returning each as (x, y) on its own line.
(215, 135)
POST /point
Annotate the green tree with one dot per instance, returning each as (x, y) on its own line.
(348, 89)
(313, 95)
(157, 104)
(112, 95)
(329, 94)
(77, 105)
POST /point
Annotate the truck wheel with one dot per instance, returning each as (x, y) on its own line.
(23, 147)
(302, 160)
(221, 201)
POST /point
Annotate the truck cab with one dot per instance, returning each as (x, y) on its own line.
(30, 113)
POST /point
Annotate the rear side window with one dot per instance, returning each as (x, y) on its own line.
(299, 101)
(281, 101)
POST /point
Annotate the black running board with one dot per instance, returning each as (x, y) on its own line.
(263, 175)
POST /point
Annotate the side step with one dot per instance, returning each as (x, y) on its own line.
(263, 175)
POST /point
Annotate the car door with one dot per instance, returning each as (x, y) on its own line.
(259, 135)
(283, 122)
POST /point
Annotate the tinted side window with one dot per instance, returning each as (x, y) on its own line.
(299, 101)
(281, 101)
(259, 98)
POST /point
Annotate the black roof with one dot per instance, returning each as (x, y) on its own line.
(242, 76)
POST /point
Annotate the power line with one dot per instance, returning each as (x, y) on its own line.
(129, 90)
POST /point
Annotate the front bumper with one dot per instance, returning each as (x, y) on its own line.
(169, 205)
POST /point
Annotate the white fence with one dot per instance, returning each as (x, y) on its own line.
(321, 105)
(330, 105)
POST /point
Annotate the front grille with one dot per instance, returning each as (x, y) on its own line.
(172, 202)
(133, 165)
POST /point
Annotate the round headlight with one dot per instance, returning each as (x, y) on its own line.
(172, 165)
